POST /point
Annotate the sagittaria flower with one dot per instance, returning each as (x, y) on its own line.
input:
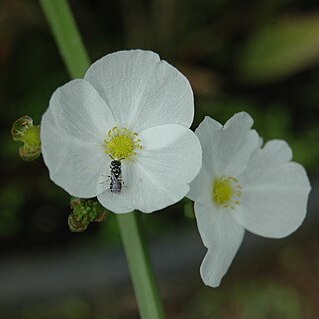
(130, 107)
(241, 186)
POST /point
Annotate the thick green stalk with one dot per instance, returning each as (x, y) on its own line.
(67, 36)
(142, 273)
(76, 60)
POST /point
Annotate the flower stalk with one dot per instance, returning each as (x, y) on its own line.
(143, 278)
(75, 57)
(67, 36)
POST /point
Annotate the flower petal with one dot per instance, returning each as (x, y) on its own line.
(208, 135)
(275, 192)
(200, 187)
(226, 149)
(142, 90)
(124, 202)
(170, 159)
(222, 236)
(72, 133)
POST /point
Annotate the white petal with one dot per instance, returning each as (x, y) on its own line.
(140, 192)
(123, 202)
(226, 150)
(222, 236)
(142, 90)
(200, 187)
(170, 159)
(238, 120)
(237, 144)
(72, 133)
(208, 135)
(275, 192)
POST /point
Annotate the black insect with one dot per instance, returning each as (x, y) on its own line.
(116, 176)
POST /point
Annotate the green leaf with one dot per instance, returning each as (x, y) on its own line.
(281, 49)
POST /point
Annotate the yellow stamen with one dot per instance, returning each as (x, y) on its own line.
(226, 191)
(122, 143)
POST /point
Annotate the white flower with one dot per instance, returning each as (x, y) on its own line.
(135, 108)
(243, 186)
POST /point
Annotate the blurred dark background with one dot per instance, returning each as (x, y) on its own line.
(257, 56)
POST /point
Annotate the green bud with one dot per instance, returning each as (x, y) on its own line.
(84, 212)
(24, 131)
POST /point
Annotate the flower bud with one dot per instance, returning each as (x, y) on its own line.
(84, 212)
(24, 131)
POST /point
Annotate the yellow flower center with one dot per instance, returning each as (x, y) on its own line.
(226, 191)
(121, 143)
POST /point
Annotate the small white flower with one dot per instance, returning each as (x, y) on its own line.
(243, 186)
(133, 107)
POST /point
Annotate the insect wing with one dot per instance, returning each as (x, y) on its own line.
(116, 184)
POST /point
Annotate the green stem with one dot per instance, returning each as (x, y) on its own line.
(143, 278)
(75, 57)
(67, 36)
